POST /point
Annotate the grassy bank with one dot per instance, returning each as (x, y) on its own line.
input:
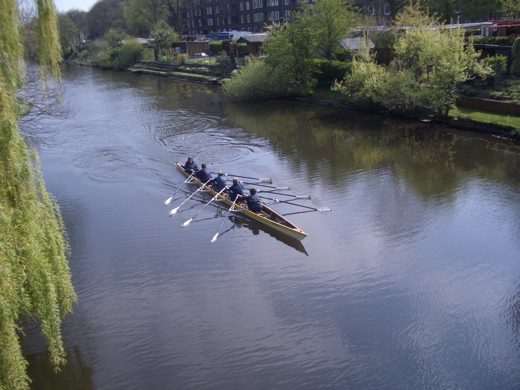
(487, 117)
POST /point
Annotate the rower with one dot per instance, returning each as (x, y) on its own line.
(253, 201)
(236, 191)
(190, 166)
(204, 174)
(219, 182)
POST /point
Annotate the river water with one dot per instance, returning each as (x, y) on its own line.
(412, 281)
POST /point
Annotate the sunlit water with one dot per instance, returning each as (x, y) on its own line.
(412, 281)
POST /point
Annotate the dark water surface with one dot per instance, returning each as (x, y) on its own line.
(411, 282)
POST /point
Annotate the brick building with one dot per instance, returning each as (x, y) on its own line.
(204, 17)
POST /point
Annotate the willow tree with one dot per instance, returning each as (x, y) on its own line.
(34, 274)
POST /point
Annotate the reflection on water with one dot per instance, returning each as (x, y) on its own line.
(73, 375)
(411, 282)
(255, 228)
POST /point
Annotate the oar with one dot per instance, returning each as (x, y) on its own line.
(220, 228)
(307, 207)
(265, 185)
(172, 212)
(264, 180)
(206, 205)
(294, 197)
(279, 193)
(167, 201)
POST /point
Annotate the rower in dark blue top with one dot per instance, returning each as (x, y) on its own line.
(204, 174)
(253, 201)
(190, 166)
(219, 182)
(236, 190)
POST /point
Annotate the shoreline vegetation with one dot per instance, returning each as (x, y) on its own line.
(428, 70)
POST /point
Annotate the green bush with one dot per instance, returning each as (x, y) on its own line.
(215, 47)
(506, 41)
(499, 66)
(131, 53)
(330, 71)
(256, 81)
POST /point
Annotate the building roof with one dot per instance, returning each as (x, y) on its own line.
(355, 43)
(253, 38)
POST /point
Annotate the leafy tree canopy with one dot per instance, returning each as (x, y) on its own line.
(430, 63)
(34, 273)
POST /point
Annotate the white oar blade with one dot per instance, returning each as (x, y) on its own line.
(187, 222)
(214, 238)
(283, 188)
(302, 196)
(266, 180)
(167, 201)
(174, 211)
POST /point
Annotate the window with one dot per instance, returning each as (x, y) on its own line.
(229, 20)
(287, 2)
(247, 5)
(287, 14)
(241, 18)
(241, 6)
(274, 15)
(209, 10)
(387, 9)
(248, 18)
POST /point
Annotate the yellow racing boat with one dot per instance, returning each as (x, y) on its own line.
(267, 216)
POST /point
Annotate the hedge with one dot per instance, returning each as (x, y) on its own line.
(330, 71)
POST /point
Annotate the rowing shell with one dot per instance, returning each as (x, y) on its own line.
(267, 216)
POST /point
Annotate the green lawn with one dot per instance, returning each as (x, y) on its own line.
(486, 117)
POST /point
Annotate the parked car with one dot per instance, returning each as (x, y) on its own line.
(200, 55)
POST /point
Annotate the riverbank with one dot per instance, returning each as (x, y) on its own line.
(463, 118)
(467, 119)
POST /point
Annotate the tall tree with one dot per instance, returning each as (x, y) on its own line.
(332, 21)
(79, 18)
(142, 15)
(69, 34)
(162, 35)
(291, 49)
(511, 8)
(34, 273)
(175, 14)
(105, 14)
